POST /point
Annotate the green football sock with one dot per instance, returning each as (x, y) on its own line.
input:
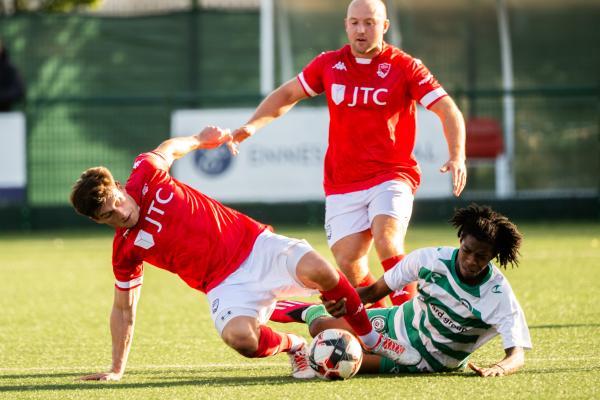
(314, 312)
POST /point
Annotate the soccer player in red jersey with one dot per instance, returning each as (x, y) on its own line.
(240, 264)
(370, 171)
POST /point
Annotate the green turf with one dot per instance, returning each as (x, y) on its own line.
(56, 293)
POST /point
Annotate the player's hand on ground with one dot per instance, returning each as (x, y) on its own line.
(102, 376)
(494, 370)
(238, 136)
(458, 169)
(337, 309)
(213, 136)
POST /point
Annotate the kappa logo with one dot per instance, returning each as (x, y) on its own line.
(496, 289)
(340, 66)
(425, 80)
(359, 309)
(383, 69)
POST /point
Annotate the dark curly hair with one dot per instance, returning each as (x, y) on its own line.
(492, 227)
(92, 190)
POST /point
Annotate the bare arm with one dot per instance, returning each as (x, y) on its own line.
(454, 131)
(511, 363)
(372, 293)
(210, 137)
(277, 103)
(122, 321)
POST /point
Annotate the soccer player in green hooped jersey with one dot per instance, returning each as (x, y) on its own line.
(463, 300)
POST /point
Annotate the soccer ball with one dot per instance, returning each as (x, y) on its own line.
(335, 354)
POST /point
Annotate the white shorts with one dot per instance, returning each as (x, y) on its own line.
(354, 212)
(267, 274)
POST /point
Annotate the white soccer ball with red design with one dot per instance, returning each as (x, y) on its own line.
(335, 354)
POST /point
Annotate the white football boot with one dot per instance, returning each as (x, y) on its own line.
(300, 367)
(392, 349)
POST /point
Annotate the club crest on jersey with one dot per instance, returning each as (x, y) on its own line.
(378, 323)
(383, 69)
(337, 93)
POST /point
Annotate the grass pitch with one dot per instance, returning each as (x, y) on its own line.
(56, 295)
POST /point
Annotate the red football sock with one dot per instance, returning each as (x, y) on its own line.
(368, 281)
(408, 292)
(356, 315)
(402, 296)
(271, 342)
(389, 263)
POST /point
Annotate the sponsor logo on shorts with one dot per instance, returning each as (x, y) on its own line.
(215, 306)
(226, 316)
(378, 323)
(328, 231)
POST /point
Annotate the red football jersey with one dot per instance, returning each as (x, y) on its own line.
(372, 113)
(180, 230)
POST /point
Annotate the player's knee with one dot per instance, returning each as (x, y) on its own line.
(243, 342)
(353, 269)
(390, 241)
(313, 268)
(389, 245)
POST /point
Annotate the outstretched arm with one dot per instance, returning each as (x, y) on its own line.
(454, 130)
(122, 321)
(375, 292)
(277, 103)
(209, 138)
(511, 363)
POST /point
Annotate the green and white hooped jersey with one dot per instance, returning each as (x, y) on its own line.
(448, 319)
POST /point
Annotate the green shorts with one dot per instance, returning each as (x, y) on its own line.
(382, 320)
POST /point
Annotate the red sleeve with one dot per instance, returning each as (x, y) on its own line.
(127, 268)
(311, 77)
(145, 167)
(422, 85)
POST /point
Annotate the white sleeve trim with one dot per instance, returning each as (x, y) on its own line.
(432, 96)
(304, 84)
(129, 284)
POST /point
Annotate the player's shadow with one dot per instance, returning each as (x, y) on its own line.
(563, 326)
(212, 381)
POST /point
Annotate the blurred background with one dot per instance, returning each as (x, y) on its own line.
(101, 81)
